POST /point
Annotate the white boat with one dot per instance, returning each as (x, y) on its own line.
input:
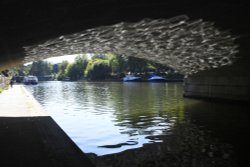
(131, 78)
(30, 80)
(156, 78)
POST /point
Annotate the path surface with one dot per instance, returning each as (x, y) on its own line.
(30, 137)
(17, 102)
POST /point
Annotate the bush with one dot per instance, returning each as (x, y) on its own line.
(98, 69)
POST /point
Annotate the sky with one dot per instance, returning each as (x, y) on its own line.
(59, 59)
(55, 60)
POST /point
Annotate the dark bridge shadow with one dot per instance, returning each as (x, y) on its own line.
(37, 141)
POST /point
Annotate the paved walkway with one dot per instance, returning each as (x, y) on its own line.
(17, 102)
(30, 137)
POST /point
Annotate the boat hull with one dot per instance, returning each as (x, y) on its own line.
(30, 80)
(157, 80)
(30, 83)
(133, 80)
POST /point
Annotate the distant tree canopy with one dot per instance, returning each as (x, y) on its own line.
(40, 68)
(75, 71)
(20, 70)
(96, 67)
(62, 70)
(136, 64)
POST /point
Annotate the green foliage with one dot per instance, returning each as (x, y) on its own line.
(76, 70)
(40, 68)
(72, 72)
(89, 67)
(136, 64)
(62, 70)
(150, 67)
(113, 62)
(98, 69)
(160, 67)
(20, 70)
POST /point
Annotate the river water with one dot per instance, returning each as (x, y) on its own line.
(152, 120)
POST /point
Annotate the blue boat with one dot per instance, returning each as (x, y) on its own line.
(131, 78)
(156, 78)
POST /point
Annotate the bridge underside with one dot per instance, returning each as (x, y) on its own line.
(190, 36)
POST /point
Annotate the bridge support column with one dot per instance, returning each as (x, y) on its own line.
(218, 88)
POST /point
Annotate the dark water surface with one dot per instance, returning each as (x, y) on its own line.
(104, 118)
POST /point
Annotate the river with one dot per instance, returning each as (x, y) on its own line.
(123, 119)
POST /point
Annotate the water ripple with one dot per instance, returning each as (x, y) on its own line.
(103, 120)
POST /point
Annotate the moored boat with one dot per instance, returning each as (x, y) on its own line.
(156, 78)
(30, 80)
(131, 78)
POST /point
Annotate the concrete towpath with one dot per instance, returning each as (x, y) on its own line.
(17, 102)
(30, 137)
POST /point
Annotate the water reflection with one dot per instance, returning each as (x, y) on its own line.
(146, 109)
(104, 118)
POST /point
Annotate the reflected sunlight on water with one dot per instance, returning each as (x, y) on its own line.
(105, 118)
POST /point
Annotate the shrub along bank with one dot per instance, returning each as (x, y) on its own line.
(4, 83)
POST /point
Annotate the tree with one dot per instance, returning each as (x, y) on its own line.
(20, 70)
(113, 62)
(98, 69)
(76, 70)
(40, 68)
(62, 70)
(136, 64)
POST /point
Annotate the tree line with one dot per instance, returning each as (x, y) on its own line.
(96, 67)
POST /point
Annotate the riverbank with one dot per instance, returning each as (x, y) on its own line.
(30, 137)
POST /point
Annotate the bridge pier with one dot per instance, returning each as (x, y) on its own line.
(225, 83)
(218, 88)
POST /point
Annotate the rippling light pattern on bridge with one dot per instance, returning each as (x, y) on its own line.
(186, 45)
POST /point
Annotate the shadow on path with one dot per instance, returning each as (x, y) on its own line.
(37, 141)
